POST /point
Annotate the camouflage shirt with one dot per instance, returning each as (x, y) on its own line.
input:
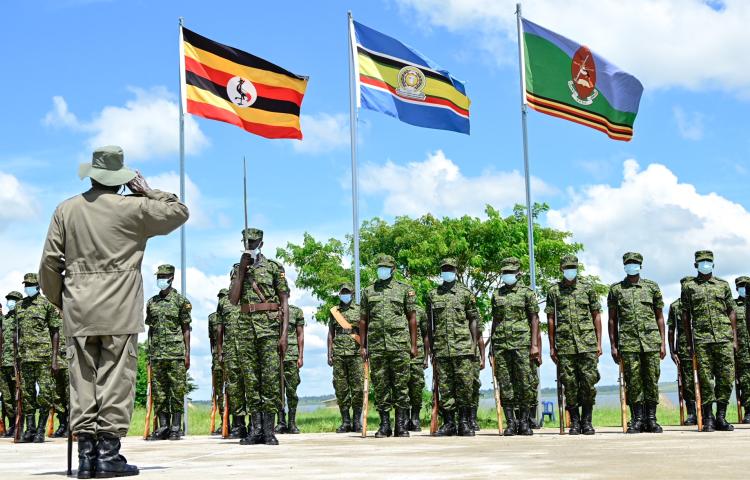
(37, 319)
(452, 308)
(743, 353)
(270, 279)
(343, 343)
(574, 326)
(385, 305)
(8, 326)
(213, 330)
(238, 329)
(674, 320)
(636, 305)
(512, 307)
(166, 317)
(296, 319)
(708, 302)
(62, 357)
(421, 331)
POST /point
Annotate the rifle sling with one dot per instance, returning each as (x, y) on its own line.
(344, 323)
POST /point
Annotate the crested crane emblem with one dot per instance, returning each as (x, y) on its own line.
(241, 92)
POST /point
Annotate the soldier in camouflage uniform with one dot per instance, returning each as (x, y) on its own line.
(454, 336)
(742, 357)
(62, 389)
(234, 345)
(388, 328)
(416, 373)
(168, 319)
(7, 360)
(343, 356)
(217, 371)
(636, 335)
(514, 334)
(260, 288)
(575, 336)
(680, 353)
(38, 322)
(708, 314)
(293, 361)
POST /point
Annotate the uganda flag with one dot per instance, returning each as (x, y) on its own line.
(567, 80)
(395, 79)
(226, 84)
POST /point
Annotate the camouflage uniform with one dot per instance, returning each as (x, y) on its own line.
(62, 388)
(236, 348)
(674, 321)
(742, 357)
(348, 372)
(416, 372)
(451, 310)
(291, 372)
(708, 302)
(217, 371)
(7, 361)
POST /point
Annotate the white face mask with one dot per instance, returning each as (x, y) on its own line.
(705, 267)
(162, 283)
(632, 269)
(509, 278)
(31, 291)
(448, 276)
(740, 291)
(11, 304)
(384, 273)
(345, 297)
(570, 274)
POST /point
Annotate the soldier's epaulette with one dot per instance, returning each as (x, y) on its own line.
(276, 262)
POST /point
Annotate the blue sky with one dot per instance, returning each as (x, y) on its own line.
(80, 73)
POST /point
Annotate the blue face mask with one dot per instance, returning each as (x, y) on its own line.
(384, 273)
(740, 291)
(570, 274)
(509, 278)
(12, 304)
(632, 269)
(705, 267)
(162, 283)
(31, 291)
(345, 297)
(448, 277)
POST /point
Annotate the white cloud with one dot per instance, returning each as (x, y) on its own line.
(323, 132)
(437, 186)
(17, 201)
(146, 127)
(200, 216)
(686, 43)
(689, 124)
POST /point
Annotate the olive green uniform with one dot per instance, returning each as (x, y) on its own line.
(217, 371)
(416, 367)
(743, 353)
(7, 362)
(674, 320)
(291, 370)
(348, 371)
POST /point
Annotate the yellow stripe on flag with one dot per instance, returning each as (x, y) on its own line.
(253, 115)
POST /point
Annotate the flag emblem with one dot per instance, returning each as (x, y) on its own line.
(411, 83)
(583, 71)
(241, 92)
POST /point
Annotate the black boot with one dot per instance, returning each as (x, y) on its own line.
(473, 418)
(41, 428)
(281, 426)
(86, 455)
(532, 417)
(292, 425)
(109, 462)
(510, 422)
(239, 429)
(692, 418)
(721, 418)
(709, 423)
(464, 422)
(62, 430)
(11, 431)
(651, 424)
(385, 424)
(346, 421)
(254, 435)
(448, 429)
(575, 421)
(162, 433)
(268, 434)
(174, 432)
(414, 422)
(636, 418)
(402, 420)
(746, 417)
(523, 424)
(356, 419)
(28, 435)
(586, 427)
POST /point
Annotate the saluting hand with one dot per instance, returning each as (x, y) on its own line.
(138, 185)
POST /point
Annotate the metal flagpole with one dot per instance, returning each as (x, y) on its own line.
(353, 109)
(183, 261)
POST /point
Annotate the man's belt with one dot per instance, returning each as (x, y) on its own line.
(259, 307)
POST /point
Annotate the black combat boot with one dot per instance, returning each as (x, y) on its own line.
(575, 421)
(473, 418)
(292, 425)
(62, 430)
(721, 418)
(586, 427)
(746, 417)
(385, 424)
(346, 421)
(533, 423)
(510, 422)
(268, 435)
(402, 419)
(448, 429)
(109, 462)
(356, 419)
(41, 428)
(692, 418)
(281, 426)
(174, 432)
(86, 455)
(11, 432)
(414, 423)
(254, 436)
(161, 433)
(524, 428)
(709, 422)
(239, 429)
(464, 422)
(28, 435)
(636, 418)
(651, 424)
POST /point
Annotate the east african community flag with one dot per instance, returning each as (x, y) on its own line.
(567, 80)
(395, 79)
(226, 84)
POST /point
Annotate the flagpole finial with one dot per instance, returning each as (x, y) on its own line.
(518, 8)
(181, 20)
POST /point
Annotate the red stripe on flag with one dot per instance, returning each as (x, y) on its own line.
(215, 113)
(433, 100)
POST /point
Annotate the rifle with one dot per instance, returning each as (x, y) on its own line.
(680, 393)
(212, 424)
(366, 398)
(623, 398)
(696, 379)
(435, 384)
(149, 404)
(562, 411)
(2, 420)
(498, 403)
(51, 422)
(70, 446)
(225, 413)
(738, 394)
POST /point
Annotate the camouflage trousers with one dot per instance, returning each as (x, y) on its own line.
(168, 385)
(416, 382)
(534, 385)
(579, 374)
(476, 385)
(263, 390)
(33, 374)
(62, 390)
(217, 382)
(688, 379)
(238, 378)
(8, 391)
(348, 380)
(456, 380)
(715, 371)
(641, 371)
(291, 383)
(513, 374)
(390, 379)
(743, 372)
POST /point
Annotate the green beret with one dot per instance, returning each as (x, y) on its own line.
(686, 279)
(701, 255)
(31, 278)
(223, 292)
(346, 286)
(15, 295)
(570, 261)
(165, 270)
(631, 257)
(510, 264)
(384, 260)
(742, 280)
(252, 234)
(448, 262)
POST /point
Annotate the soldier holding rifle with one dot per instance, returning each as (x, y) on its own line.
(680, 353)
